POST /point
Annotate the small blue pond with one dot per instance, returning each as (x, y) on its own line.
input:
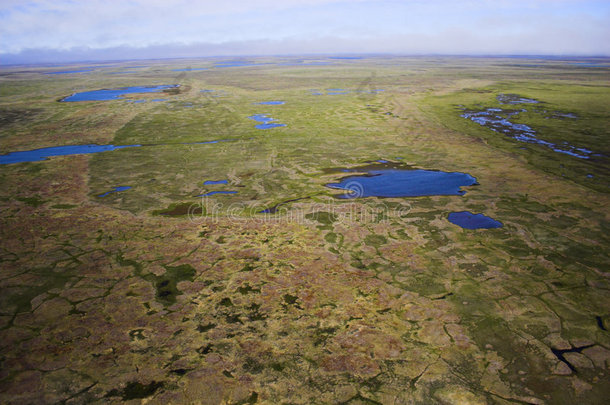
(403, 183)
(116, 189)
(266, 121)
(41, 154)
(115, 94)
(216, 192)
(208, 182)
(271, 102)
(468, 220)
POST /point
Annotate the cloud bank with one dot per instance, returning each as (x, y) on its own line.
(63, 30)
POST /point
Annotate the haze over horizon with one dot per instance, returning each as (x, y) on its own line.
(61, 31)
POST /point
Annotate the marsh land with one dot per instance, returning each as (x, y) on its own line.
(277, 231)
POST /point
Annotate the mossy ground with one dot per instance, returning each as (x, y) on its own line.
(327, 300)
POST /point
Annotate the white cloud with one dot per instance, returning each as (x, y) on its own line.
(442, 26)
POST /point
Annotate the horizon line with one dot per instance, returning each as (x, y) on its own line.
(322, 55)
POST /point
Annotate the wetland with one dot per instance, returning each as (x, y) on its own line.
(420, 230)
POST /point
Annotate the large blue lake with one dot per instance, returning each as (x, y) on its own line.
(403, 183)
(115, 94)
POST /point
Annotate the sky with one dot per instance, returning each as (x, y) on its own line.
(44, 31)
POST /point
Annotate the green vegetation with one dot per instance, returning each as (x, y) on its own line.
(153, 294)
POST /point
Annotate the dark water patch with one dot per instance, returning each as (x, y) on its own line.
(468, 220)
(271, 102)
(44, 153)
(167, 284)
(115, 94)
(189, 69)
(208, 182)
(135, 390)
(266, 121)
(180, 209)
(392, 182)
(497, 120)
(216, 192)
(116, 190)
(274, 209)
(66, 72)
(515, 99)
(559, 353)
(600, 323)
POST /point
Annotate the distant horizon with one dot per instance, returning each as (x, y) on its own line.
(61, 31)
(347, 56)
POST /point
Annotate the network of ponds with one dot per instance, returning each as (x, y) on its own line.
(380, 179)
(499, 120)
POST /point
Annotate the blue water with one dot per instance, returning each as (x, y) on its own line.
(269, 126)
(271, 102)
(116, 189)
(42, 154)
(65, 72)
(468, 220)
(115, 94)
(266, 121)
(403, 183)
(188, 69)
(496, 119)
(216, 192)
(208, 182)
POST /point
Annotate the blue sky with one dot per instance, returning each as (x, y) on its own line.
(157, 28)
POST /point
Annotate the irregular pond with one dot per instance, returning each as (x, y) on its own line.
(116, 189)
(392, 180)
(43, 153)
(266, 121)
(468, 220)
(216, 192)
(36, 155)
(115, 94)
(497, 120)
(208, 182)
(271, 103)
